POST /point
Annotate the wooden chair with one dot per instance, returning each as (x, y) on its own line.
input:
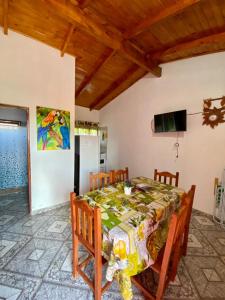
(169, 257)
(120, 175)
(158, 176)
(99, 180)
(189, 202)
(87, 230)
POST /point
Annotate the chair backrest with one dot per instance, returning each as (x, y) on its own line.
(189, 202)
(167, 177)
(99, 180)
(86, 224)
(173, 248)
(120, 175)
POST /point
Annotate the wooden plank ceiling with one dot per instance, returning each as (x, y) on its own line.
(116, 42)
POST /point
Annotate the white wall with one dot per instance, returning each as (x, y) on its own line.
(85, 114)
(33, 74)
(183, 85)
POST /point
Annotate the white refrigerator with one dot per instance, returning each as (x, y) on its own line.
(86, 161)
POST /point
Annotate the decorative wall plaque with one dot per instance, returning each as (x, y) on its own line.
(214, 115)
(53, 129)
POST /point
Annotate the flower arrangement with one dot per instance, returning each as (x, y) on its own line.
(127, 187)
(127, 183)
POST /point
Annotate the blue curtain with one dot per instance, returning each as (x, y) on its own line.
(13, 157)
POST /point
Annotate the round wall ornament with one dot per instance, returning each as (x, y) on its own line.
(215, 115)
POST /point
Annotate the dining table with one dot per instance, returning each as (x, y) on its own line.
(135, 226)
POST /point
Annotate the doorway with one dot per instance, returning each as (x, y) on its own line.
(14, 160)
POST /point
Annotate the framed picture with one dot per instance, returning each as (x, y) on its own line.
(53, 129)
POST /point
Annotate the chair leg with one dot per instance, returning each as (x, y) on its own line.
(184, 249)
(161, 285)
(185, 242)
(160, 292)
(153, 278)
(75, 255)
(98, 278)
(176, 258)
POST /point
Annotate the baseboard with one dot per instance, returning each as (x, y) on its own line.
(44, 210)
(202, 212)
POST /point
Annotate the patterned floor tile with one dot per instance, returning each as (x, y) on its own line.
(5, 247)
(64, 211)
(10, 244)
(208, 274)
(211, 275)
(17, 202)
(4, 219)
(9, 292)
(35, 252)
(19, 207)
(8, 218)
(28, 225)
(70, 237)
(16, 286)
(5, 203)
(35, 258)
(114, 293)
(49, 291)
(182, 288)
(198, 244)
(60, 211)
(193, 242)
(216, 239)
(204, 221)
(56, 227)
(60, 270)
(222, 241)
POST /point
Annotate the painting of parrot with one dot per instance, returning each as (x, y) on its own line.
(53, 129)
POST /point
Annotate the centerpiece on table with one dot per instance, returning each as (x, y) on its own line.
(127, 187)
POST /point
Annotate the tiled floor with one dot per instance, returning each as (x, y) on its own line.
(35, 258)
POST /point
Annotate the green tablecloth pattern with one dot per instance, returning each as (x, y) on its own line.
(135, 226)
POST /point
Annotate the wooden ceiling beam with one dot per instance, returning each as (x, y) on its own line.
(81, 3)
(112, 39)
(129, 50)
(108, 53)
(84, 3)
(67, 39)
(114, 85)
(5, 16)
(204, 41)
(74, 2)
(122, 88)
(176, 7)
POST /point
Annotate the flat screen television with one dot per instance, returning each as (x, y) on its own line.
(171, 122)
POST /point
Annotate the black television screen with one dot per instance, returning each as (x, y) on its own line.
(171, 122)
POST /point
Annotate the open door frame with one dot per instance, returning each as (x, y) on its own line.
(28, 149)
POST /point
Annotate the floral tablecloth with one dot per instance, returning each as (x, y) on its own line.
(135, 226)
